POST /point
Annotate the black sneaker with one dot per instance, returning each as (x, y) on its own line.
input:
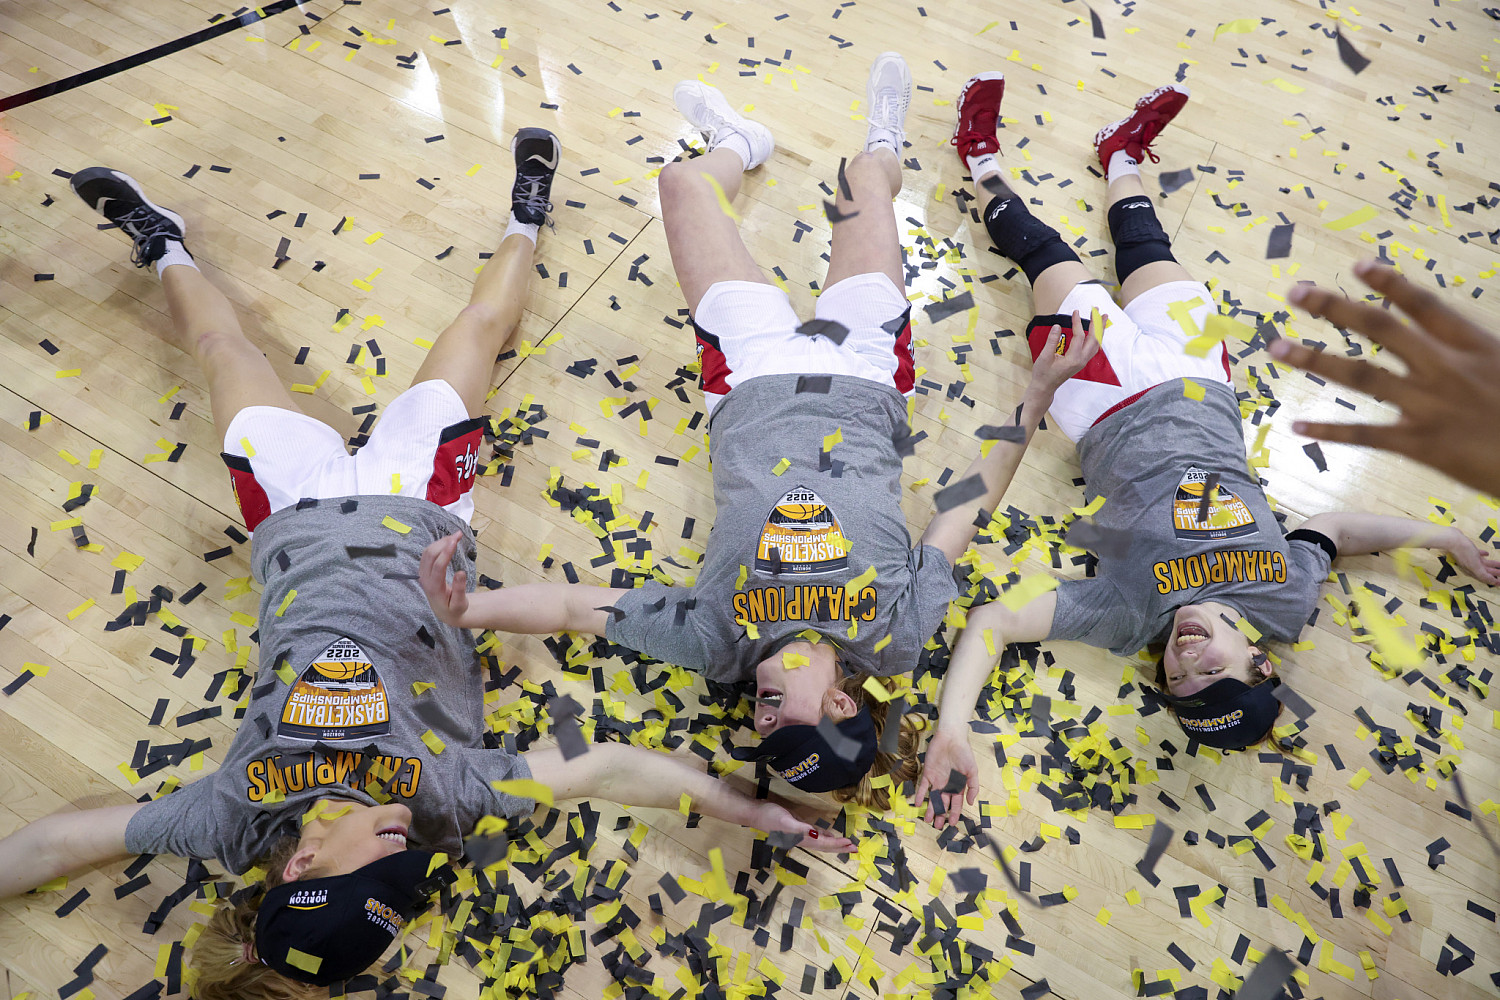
(118, 198)
(537, 153)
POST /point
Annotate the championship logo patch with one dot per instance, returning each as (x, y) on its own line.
(340, 696)
(1228, 516)
(801, 535)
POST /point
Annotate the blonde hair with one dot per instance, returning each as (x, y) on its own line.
(902, 766)
(218, 966)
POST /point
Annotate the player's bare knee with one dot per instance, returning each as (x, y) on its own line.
(876, 168)
(214, 344)
(485, 315)
(677, 181)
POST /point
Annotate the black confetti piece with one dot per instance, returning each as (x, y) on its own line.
(845, 748)
(1279, 244)
(365, 551)
(1349, 56)
(1316, 454)
(831, 329)
(1266, 979)
(1106, 543)
(939, 311)
(1172, 180)
(961, 492)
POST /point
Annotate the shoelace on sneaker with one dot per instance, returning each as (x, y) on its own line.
(532, 198)
(975, 136)
(143, 224)
(887, 111)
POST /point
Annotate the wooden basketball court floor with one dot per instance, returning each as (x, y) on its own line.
(368, 144)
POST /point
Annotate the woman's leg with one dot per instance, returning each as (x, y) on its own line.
(204, 326)
(465, 353)
(696, 195)
(1143, 252)
(203, 321)
(1051, 266)
(865, 239)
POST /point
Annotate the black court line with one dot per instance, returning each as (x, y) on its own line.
(231, 23)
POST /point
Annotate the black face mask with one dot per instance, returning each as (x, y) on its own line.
(1228, 714)
(325, 930)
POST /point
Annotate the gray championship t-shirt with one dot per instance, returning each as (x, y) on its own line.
(1150, 462)
(339, 714)
(792, 530)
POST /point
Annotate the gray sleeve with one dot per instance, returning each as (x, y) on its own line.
(1091, 611)
(918, 611)
(182, 823)
(477, 794)
(1308, 565)
(649, 623)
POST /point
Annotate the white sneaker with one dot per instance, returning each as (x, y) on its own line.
(888, 95)
(706, 110)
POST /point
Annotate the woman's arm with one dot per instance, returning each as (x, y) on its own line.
(968, 670)
(529, 608)
(60, 843)
(1357, 534)
(635, 776)
(953, 529)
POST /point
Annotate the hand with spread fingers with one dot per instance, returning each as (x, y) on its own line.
(1449, 396)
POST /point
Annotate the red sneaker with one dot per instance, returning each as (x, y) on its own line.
(1135, 134)
(979, 116)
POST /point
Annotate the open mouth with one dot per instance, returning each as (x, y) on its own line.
(395, 834)
(1189, 633)
(769, 696)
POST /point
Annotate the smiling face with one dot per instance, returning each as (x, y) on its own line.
(347, 837)
(792, 694)
(1203, 648)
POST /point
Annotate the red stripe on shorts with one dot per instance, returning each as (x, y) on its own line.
(713, 366)
(456, 459)
(1097, 370)
(906, 365)
(255, 506)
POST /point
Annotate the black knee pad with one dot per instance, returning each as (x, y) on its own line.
(1024, 238)
(1138, 235)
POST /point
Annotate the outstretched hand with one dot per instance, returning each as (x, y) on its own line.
(948, 753)
(1056, 363)
(1449, 396)
(449, 598)
(779, 819)
(1481, 565)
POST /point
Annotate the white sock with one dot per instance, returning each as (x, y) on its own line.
(739, 145)
(525, 229)
(883, 137)
(1120, 164)
(981, 165)
(176, 254)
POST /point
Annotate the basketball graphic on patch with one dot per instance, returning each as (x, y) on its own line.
(339, 696)
(801, 536)
(1228, 515)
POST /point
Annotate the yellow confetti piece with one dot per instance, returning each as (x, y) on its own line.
(780, 467)
(434, 744)
(1028, 589)
(395, 525)
(1241, 26)
(876, 689)
(1103, 916)
(1290, 88)
(1133, 897)
(373, 237)
(128, 561)
(1192, 390)
(829, 440)
(1360, 777)
(724, 205)
(286, 602)
(474, 170)
(80, 609)
(68, 372)
(685, 803)
(524, 788)
(858, 583)
(302, 960)
(1357, 217)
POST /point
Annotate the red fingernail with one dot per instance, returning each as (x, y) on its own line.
(813, 834)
